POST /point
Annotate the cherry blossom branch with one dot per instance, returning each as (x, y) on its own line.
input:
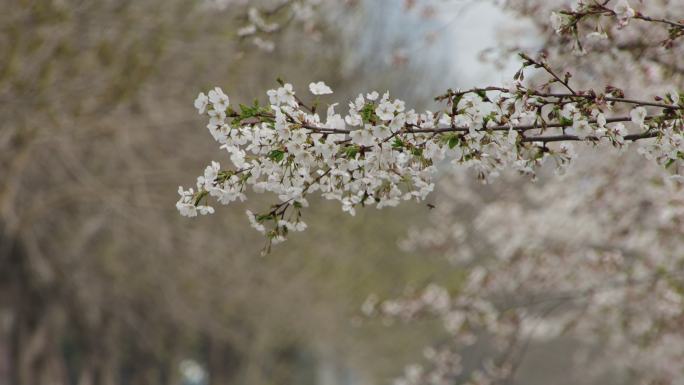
(568, 21)
(380, 153)
(410, 128)
(622, 10)
(567, 138)
(589, 95)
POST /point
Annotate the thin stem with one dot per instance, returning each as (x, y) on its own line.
(570, 138)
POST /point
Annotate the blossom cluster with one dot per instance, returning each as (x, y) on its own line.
(644, 33)
(562, 21)
(381, 153)
(569, 21)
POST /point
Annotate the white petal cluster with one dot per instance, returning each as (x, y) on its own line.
(379, 153)
(638, 116)
(558, 22)
(319, 88)
(286, 155)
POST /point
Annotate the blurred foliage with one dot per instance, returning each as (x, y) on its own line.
(101, 282)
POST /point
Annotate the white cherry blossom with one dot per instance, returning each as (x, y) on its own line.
(319, 88)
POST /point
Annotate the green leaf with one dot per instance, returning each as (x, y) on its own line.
(224, 175)
(566, 121)
(453, 141)
(351, 151)
(368, 112)
(397, 143)
(263, 218)
(276, 155)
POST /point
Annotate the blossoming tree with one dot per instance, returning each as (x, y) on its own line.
(596, 253)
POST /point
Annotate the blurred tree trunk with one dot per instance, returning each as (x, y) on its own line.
(39, 359)
(223, 362)
(32, 320)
